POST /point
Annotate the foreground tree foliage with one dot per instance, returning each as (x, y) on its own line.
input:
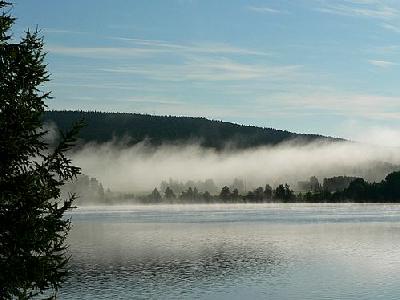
(32, 227)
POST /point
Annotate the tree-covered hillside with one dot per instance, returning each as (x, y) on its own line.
(103, 127)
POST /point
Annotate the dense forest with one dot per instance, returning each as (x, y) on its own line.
(134, 128)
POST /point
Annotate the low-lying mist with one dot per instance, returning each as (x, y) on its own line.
(140, 168)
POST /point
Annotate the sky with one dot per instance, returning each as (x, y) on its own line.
(310, 66)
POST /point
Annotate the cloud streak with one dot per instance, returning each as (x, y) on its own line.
(208, 70)
(382, 63)
(264, 9)
(354, 8)
(352, 105)
(391, 27)
(190, 48)
(62, 31)
(143, 48)
(101, 52)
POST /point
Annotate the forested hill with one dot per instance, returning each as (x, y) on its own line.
(103, 127)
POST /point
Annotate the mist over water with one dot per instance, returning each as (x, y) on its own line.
(140, 168)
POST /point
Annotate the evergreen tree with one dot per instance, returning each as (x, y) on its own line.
(284, 193)
(225, 194)
(207, 196)
(259, 194)
(155, 196)
(169, 194)
(268, 192)
(32, 228)
(196, 194)
(235, 195)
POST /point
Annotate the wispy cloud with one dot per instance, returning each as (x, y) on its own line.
(106, 86)
(154, 100)
(265, 9)
(62, 31)
(101, 52)
(208, 70)
(351, 105)
(358, 8)
(391, 27)
(142, 47)
(386, 50)
(381, 63)
(204, 47)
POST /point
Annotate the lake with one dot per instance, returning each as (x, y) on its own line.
(244, 251)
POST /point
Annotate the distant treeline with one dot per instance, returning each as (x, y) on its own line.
(334, 189)
(357, 190)
(133, 128)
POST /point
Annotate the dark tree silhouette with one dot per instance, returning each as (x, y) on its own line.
(187, 195)
(259, 194)
(155, 196)
(169, 194)
(225, 194)
(235, 195)
(358, 190)
(391, 186)
(207, 196)
(268, 192)
(284, 193)
(32, 228)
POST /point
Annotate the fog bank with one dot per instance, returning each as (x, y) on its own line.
(142, 167)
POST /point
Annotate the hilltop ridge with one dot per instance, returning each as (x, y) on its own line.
(105, 126)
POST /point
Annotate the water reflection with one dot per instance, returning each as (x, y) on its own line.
(147, 260)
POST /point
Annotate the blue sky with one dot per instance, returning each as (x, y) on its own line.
(315, 66)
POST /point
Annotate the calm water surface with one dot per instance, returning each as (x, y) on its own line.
(265, 251)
